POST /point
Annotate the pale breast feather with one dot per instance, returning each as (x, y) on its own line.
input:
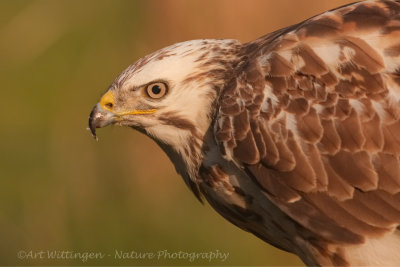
(313, 116)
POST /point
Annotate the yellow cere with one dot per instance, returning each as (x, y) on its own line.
(107, 101)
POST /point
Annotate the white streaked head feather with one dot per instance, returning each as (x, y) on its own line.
(183, 114)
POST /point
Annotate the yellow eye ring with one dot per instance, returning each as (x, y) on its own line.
(156, 90)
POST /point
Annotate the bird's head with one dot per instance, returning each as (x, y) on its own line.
(169, 94)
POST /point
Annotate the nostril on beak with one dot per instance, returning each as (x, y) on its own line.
(107, 101)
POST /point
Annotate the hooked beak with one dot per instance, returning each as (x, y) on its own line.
(99, 118)
(103, 113)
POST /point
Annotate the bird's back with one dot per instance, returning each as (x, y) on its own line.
(312, 118)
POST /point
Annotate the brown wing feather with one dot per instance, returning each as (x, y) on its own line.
(313, 116)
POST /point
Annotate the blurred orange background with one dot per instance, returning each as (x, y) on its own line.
(60, 189)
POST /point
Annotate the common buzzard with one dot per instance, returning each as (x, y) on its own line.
(294, 137)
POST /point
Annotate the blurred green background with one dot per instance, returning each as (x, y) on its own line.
(60, 189)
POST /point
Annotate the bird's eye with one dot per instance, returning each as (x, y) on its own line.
(156, 90)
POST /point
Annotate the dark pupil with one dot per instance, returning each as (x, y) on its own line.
(156, 89)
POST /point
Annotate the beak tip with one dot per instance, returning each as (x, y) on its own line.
(99, 118)
(92, 131)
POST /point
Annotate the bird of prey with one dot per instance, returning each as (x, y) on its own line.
(294, 137)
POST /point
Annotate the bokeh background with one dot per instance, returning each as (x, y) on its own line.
(60, 189)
